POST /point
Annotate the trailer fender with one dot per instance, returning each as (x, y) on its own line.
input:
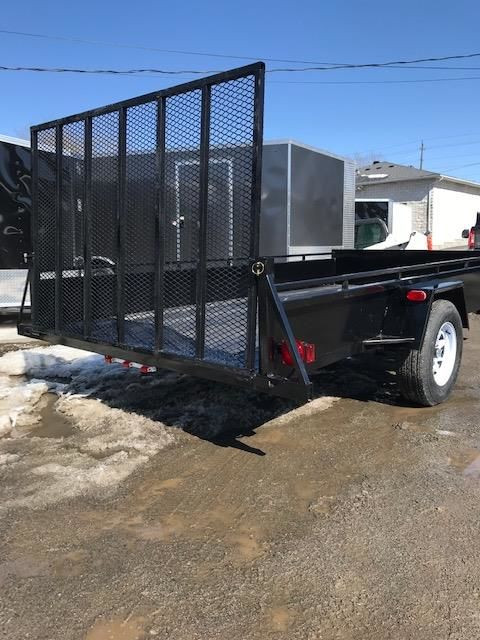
(456, 295)
(418, 312)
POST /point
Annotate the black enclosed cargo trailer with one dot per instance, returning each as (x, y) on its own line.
(141, 254)
(15, 206)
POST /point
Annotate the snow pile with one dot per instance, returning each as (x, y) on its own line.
(50, 362)
(103, 447)
(19, 399)
(306, 410)
(91, 462)
(17, 403)
(6, 458)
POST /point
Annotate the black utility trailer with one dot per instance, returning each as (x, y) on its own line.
(139, 255)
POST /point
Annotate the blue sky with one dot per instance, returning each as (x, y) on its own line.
(374, 120)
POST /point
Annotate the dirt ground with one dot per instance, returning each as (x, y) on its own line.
(222, 514)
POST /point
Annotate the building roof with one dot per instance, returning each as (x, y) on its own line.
(381, 172)
(18, 141)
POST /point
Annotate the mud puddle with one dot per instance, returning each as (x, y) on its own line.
(129, 629)
(52, 423)
(242, 501)
(466, 462)
(64, 565)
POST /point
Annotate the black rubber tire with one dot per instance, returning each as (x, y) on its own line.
(415, 376)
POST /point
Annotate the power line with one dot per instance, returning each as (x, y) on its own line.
(409, 81)
(368, 65)
(108, 71)
(463, 166)
(330, 65)
(439, 146)
(432, 67)
(147, 72)
(454, 144)
(415, 142)
(413, 152)
(156, 49)
(443, 156)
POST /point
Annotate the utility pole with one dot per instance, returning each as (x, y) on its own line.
(422, 148)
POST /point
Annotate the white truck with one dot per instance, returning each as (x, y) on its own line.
(384, 224)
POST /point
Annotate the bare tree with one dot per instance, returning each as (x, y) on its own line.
(364, 159)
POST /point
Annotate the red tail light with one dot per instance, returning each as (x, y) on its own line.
(471, 239)
(306, 351)
(145, 368)
(416, 295)
(126, 364)
(108, 359)
(429, 242)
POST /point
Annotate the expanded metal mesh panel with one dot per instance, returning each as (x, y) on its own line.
(103, 227)
(140, 211)
(45, 254)
(71, 230)
(182, 178)
(229, 216)
(152, 225)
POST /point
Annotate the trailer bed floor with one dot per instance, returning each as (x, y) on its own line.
(225, 338)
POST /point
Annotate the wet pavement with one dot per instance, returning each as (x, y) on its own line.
(356, 516)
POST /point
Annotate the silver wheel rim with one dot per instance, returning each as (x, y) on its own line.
(445, 354)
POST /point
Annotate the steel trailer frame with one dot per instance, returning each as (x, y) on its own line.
(340, 307)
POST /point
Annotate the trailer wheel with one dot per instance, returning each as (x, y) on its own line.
(427, 375)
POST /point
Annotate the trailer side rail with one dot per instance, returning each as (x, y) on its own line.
(428, 269)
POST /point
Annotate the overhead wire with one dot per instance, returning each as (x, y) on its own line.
(152, 72)
(157, 49)
(319, 66)
(408, 81)
(410, 143)
(326, 66)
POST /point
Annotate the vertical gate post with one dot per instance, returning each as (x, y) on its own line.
(203, 223)
(87, 251)
(160, 226)
(121, 222)
(257, 148)
(58, 226)
(35, 281)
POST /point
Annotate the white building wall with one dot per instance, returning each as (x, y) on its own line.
(454, 208)
(411, 192)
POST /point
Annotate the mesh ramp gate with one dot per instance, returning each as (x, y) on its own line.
(146, 217)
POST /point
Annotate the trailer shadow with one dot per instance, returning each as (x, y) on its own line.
(211, 411)
(364, 378)
(225, 415)
(221, 414)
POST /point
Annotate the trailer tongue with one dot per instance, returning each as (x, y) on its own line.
(146, 217)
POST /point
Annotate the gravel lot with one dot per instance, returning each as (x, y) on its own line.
(173, 508)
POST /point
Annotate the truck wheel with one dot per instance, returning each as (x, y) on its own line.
(427, 375)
